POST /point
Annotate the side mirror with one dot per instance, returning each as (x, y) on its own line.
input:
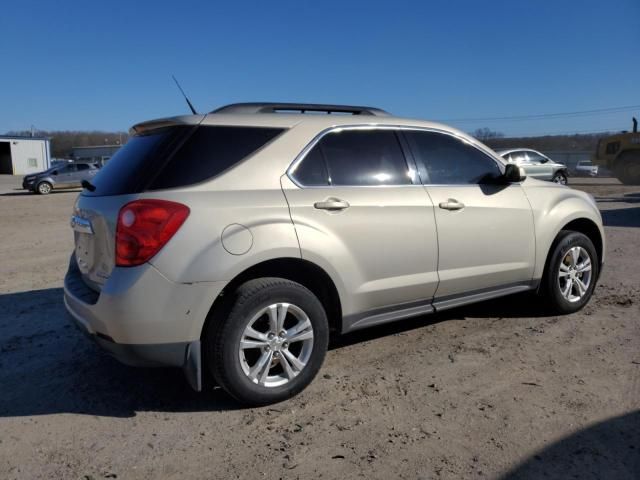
(544, 160)
(55, 172)
(513, 173)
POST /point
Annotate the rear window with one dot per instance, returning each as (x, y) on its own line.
(178, 156)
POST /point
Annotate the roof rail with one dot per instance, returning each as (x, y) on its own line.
(264, 107)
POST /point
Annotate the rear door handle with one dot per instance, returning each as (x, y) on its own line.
(331, 204)
(451, 204)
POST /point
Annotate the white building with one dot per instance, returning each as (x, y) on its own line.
(23, 155)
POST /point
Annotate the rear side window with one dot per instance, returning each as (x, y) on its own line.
(355, 158)
(177, 156)
(446, 160)
(210, 151)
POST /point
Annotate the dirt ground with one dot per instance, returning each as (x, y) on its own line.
(496, 390)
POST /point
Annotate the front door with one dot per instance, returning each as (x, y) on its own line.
(485, 229)
(362, 215)
(536, 166)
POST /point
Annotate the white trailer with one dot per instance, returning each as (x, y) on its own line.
(23, 155)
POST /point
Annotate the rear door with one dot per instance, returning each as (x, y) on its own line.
(66, 176)
(85, 172)
(485, 229)
(361, 214)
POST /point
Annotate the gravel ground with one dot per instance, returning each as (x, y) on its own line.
(497, 390)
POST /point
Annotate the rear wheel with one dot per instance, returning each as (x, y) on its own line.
(560, 178)
(271, 344)
(571, 272)
(627, 168)
(44, 188)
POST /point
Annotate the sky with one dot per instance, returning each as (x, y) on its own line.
(107, 65)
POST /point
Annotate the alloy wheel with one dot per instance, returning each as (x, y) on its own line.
(574, 274)
(276, 344)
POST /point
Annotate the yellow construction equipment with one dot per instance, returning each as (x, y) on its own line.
(620, 153)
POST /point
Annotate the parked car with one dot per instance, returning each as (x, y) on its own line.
(231, 244)
(536, 165)
(68, 175)
(586, 168)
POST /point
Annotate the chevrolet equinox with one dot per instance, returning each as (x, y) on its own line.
(231, 244)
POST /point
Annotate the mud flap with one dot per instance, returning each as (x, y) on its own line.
(193, 365)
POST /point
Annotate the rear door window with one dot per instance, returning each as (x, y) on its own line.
(178, 156)
(355, 158)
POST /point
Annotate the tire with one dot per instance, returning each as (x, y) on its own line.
(554, 281)
(44, 188)
(237, 370)
(627, 168)
(560, 178)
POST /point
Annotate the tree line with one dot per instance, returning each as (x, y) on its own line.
(63, 141)
(576, 142)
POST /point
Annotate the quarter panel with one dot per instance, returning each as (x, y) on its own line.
(196, 252)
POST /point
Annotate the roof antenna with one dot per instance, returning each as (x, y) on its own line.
(193, 110)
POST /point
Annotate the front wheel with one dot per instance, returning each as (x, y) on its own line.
(560, 178)
(272, 343)
(571, 272)
(44, 188)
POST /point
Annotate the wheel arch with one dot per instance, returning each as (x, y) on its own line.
(298, 270)
(587, 227)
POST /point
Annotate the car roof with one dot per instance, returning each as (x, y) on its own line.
(511, 150)
(304, 123)
(264, 115)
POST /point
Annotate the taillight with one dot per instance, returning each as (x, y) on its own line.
(144, 227)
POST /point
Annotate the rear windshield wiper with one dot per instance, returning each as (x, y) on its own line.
(88, 185)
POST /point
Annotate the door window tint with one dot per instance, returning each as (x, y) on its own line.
(518, 157)
(312, 171)
(82, 166)
(535, 157)
(364, 157)
(446, 160)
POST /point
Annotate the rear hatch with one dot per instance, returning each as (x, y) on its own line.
(158, 157)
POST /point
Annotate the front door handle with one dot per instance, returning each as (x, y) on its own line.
(331, 204)
(452, 204)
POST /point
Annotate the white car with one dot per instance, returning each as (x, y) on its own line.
(586, 168)
(536, 164)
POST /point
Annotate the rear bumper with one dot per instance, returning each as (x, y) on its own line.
(142, 318)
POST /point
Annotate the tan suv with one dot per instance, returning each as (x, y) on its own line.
(233, 243)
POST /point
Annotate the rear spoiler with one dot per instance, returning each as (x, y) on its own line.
(145, 127)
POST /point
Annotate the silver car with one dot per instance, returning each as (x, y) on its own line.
(68, 175)
(536, 164)
(586, 168)
(232, 244)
